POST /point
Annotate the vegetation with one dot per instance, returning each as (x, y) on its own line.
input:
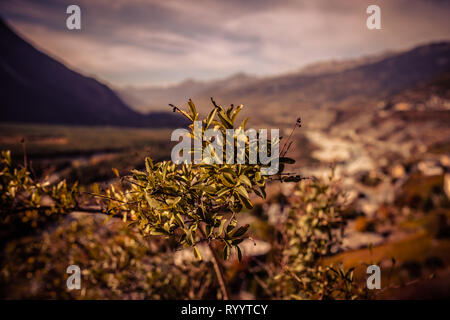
(169, 207)
(27, 204)
(117, 263)
(52, 140)
(189, 203)
(120, 263)
(312, 231)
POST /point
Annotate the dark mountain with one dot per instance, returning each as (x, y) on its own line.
(36, 88)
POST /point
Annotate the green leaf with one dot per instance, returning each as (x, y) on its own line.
(193, 110)
(221, 227)
(197, 254)
(226, 181)
(139, 175)
(166, 164)
(179, 219)
(261, 193)
(223, 192)
(189, 237)
(258, 176)
(287, 160)
(116, 172)
(173, 202)
(209, 230)
(149, 164)
(184, 113)
(225, 120)
(210, 118)
(95, 188)
(226, 252)
(246, 202)
(245, 180)
(229, 110)
(237, 241)
(281, 168)
(238, 232)
(232, 223)
(242, 126)
(152, 202)
(241, 190)
(239, 253)
(158, 232)
(236, 112)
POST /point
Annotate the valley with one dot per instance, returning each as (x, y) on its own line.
(378, 123)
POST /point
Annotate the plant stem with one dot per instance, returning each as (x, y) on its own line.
(217, 267)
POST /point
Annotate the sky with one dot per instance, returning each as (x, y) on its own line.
(146, 42)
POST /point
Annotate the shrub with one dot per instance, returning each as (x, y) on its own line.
(193, 203)
(26, 204)
(116, 263)
(313, 230)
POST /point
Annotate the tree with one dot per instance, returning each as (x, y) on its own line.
(193, 203)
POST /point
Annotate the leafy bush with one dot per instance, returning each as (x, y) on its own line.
(191, 203)
(26, 204)
(116, 263)
(187, 204)
(313, 230)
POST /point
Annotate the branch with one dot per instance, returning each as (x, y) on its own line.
(217, 267)
(75, 208)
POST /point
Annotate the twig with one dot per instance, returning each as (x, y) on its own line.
(217, 267)
(298, 124)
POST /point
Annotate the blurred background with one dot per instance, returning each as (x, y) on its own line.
(375, 106)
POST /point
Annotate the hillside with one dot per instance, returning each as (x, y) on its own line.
(322, 93)
(151, 98)
(38, 89)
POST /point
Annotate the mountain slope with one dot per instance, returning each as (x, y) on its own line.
(155, 98)
(36, 88)
(322, 93)
(324, 98)
(373, 80)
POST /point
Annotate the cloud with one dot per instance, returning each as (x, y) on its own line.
(153, 42)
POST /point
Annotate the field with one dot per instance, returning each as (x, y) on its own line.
(45, 140)
(84, 154)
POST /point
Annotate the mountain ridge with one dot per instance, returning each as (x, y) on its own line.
(39, 89)
(353, 84)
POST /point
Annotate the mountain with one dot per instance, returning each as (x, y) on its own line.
(150, 98)
(36, 88)
(378, 79)
(322, 93)
(335, 66)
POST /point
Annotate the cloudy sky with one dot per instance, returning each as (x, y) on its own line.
(145, 42)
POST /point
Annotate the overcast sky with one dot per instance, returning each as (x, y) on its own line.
(144, 42)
